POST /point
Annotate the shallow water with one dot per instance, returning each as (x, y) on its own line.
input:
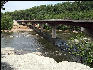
(27, 42)
(20, 41)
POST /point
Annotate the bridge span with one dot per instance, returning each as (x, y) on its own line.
(84, 24)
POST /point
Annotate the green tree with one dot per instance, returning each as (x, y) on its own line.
(66, 10)
(6, 22)
(2, 4)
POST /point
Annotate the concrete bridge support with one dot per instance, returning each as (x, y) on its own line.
(54, 31)
(41, 25)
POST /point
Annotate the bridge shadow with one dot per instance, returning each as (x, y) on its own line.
(62, 45)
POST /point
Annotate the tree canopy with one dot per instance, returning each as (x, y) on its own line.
(66, 10)
(2, 4)
(6, 22)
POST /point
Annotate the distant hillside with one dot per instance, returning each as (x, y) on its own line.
(67, 10)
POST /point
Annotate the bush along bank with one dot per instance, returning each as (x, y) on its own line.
(84, 44)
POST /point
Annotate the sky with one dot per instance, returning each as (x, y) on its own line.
(11, 6)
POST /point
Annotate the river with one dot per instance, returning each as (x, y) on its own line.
(31, 42)
(28, 42)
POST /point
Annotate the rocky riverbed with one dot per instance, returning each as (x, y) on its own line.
(34, 61)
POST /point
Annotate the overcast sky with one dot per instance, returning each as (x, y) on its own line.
(21, 5)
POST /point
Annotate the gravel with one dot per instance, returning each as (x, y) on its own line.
(33, 61)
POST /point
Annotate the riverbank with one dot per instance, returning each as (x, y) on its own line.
(16, 30)
(33, 61)
(16, 27)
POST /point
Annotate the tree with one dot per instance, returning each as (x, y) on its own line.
(2, 4)
(6, 22)
(67, 10)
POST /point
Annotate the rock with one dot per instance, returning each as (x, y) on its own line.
(62, 45)
(66, 31)
(37, 34)
(60, 30)
(85, 38)
(76, 40)
(16, 36)
(32, 61)
(56, 51)
(11, 36)
(75, 31)
(48, 30)
(30, 29)
(7, 51)
(27, 35)
(37, 53)
(38, 48)
(42, 37)
(89, 39)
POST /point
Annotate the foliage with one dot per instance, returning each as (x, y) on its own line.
(84, 48)
(6, 22)
(67, 10)
(2, 4)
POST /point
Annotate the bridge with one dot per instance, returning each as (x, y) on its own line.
(84, 24)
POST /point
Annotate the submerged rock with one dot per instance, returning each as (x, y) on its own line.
(7, 51)
(75, 31)
(11, 36)
(61, 44)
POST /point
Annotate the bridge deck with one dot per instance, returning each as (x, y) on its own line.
(56, 20)
(82, 23)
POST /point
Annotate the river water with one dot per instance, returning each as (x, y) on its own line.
(29, 42)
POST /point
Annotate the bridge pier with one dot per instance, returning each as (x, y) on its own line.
(54, 31)
(41, 25)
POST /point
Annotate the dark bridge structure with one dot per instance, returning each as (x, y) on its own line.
(86, 25)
